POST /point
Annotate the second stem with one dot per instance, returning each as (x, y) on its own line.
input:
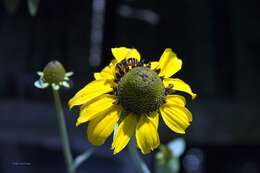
(63, 133)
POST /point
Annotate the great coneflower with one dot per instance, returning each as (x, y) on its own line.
(131, 94)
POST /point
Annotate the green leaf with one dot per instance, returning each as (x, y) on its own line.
(11, 5)
(33, 6)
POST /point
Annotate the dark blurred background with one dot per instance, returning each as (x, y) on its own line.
(218, 41)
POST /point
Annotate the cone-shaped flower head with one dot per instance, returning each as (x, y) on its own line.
(128, 96)
(140, 91)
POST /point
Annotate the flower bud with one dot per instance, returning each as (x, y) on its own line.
(54, 72)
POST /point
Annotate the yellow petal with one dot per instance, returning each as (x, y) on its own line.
(175, 117)
(91, 91)
(97, 76)
(179, 85)
(183, 111)
(154, 118)
(121, 53)
(175, 99)
(169, 63)
(107, 73)
(100, 128)
(180, 115)
(154, 65)
(99, 107)
(178, 103)
(147, 137)
(124, 132)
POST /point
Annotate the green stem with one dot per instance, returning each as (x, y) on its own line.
(139, 163)
(63, 133)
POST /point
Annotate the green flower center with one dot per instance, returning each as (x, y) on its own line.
(140, 91)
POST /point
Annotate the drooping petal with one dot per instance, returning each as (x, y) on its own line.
(124, 133)
(147, 137)
(175, 99)
(183, 111)
(179, 85)
(101, 106)
(100, 128)
(91, 91)
(154, 118)
(178, 104)
(121, 53)
(107, 73)
(175, 117)
(169, 63)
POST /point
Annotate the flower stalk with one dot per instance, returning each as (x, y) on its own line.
(63, 133)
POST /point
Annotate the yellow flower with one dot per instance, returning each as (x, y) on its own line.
(130, 94)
